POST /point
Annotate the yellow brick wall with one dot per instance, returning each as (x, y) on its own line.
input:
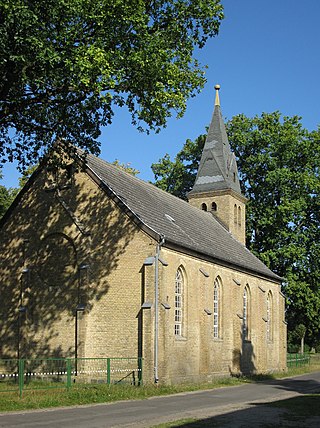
(49, 236)
(226, 202)
(197, 355)
(114, 249)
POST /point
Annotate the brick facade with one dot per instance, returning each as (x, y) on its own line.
(73, 282)
(227, 206)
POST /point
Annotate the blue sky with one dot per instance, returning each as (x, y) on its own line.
(265, 58)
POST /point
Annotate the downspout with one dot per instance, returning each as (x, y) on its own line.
(156, 308)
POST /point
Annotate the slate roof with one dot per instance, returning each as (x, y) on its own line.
(184, 227)
(218, 166)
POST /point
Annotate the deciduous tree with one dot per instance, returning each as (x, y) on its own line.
(178, 176)
(66, 65)
(6, 198)
(278, 162)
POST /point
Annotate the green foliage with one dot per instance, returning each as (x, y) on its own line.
(300, 331)
(177, 177)
(126, 167)
(297, 335)
(6, 198)
(278, 162)
(7, 195)
(26, 174)
(65, 66)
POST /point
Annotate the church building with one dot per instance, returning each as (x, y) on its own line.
(96, 263)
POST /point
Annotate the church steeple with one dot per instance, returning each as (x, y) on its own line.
(218, 166)
(217, 186)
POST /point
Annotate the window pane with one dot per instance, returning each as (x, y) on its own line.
(178, 302)
(245, 314)
(269, 318)
(216, 310)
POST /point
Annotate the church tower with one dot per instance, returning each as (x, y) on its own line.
(217, 187)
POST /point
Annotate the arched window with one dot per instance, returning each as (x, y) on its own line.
(246, 314)
(178, 303)
(235, 214)
(269, 317)
(204, 207)
(239, 216)
(216, 309)
(214, 206)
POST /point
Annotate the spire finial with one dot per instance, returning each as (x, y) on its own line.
(217, 101)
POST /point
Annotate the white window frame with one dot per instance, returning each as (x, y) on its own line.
(216, 309)
(178, 303)
(269, 317)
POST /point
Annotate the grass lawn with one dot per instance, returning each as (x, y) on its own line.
(101, 393)
(96, 393)
(306, 405)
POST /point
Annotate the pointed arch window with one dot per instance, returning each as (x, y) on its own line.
(239, 216)
(214, 206)
(204, 207)
(216, 309)
(178, 303)
(235, 214)
(269, 317)
(246, 314)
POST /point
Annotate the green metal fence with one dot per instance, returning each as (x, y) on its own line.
(297, 360)
(44, 373)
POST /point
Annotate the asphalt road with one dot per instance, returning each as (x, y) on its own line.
(149, 412)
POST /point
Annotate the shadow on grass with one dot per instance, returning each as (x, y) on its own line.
(296, 384)
(301, 411)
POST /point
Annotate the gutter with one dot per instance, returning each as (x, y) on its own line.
(156, 309)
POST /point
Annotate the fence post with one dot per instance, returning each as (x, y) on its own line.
(108, 371)
(20, 375)
(68, 361)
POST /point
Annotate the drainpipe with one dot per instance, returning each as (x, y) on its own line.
(156, 309)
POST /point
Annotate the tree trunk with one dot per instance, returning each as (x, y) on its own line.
(302, 345)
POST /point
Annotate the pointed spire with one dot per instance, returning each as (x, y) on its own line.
(218, 167)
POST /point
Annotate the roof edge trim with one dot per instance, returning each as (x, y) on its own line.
(211, 193)
(176, 247)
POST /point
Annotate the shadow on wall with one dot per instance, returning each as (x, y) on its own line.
(59, 243)
(243, 359)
